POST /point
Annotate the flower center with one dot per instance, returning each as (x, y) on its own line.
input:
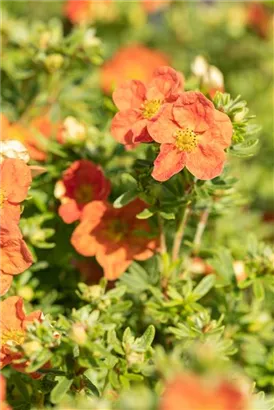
(15, 336)
(84, 194)
(117, 230)
(186, 140)
(2, 197)
(150, 108)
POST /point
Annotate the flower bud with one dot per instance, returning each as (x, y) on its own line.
(13, 149)
(26, 292)
(78, 334)
(53, 62)
(73, 132)
(32, 347)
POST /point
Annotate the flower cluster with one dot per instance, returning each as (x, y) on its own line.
(15, 256)
(190, 131)
(114, 236)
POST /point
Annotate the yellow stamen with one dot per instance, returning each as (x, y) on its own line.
(2, 197)
(14, 336)
(84, 194)
(186, 140)
(150, 108)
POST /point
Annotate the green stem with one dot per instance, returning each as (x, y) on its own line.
(163, 248)
(180, 233)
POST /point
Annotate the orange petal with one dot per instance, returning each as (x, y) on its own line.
(5, 283)
(206, 162)
(113, 263)
(69, 212)
(163, 127)
(169, 162)
(12, 313)
(15, 256)
(16, 179)
(165, 85)
(129, 95)
(122, 123)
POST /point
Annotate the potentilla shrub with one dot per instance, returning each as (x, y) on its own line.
(119, 287)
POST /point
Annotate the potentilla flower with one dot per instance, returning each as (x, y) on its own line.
(13, 325)
(15, 256)
(152, 6)
(87, 11)
(140, 105)
(135, 62)
(3, 404)
(82, 183)
(191, 392)
(16, 179)
(114, 236)
(192, 134)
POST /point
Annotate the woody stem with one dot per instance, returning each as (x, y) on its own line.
(163, 247)
(180, 233)
(200, 230)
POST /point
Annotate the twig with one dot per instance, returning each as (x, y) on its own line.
(163, 248)
(200, 230)
(180, 233)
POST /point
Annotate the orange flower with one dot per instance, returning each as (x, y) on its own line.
(114, 236)
(13, 324)
(3, 404)
(134, 62)
(190, 392)
(29, 136)
(192, 134)
(15, 182)
(151, 6)
(90, 271)
(15, 256)
(259, 18)
(87, 11)
(140, 104)
(82, 183)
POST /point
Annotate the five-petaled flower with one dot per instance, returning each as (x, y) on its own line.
(82, 183)
(139, 105)
(133, 62)
(192, 134)
(13, 325)
(189, 391)
(114, 236)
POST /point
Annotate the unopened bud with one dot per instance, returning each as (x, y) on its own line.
(32, 347)
(26, 292)
(53, 62)
(73, 131)
(78, 334)
(13, 149)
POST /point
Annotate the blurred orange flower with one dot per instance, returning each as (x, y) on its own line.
(192, 134)
(259, 18)
(3, 404)
(135, 62)
(191, 392)
(15, 182)
(32, 136)
(87, 11)
(82, 183)
(114, 236)
(140, 104)
(151, 6)
(13, 325)
(15, 256)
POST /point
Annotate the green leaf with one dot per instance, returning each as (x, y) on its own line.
(60, 390)
(40, 360)
(167, 215)
(21, 386)
(258, 289)
(145, 341)
(88, 377)
(204, 286)
(125, 199)
(145, 214)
